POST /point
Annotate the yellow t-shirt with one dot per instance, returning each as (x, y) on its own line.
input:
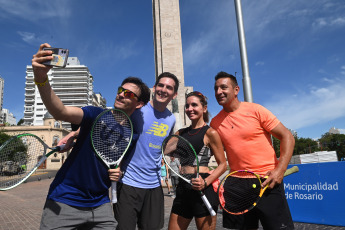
(246, 139)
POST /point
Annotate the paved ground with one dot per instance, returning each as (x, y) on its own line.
(21, 208)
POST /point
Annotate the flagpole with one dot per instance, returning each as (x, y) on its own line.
(247, 86)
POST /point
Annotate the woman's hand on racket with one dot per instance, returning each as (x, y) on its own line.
(198, 183)
(115, 174)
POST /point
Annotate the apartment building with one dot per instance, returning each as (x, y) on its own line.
(8, 117)
(72, 84)
(2, 83)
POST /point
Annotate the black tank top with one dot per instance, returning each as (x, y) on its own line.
(196, 138)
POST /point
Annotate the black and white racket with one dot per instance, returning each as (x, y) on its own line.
(180, 148)
(111, 136)
(20, 156)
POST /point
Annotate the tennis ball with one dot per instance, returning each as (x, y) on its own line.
(254, 185)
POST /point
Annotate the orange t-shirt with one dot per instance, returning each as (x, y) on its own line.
(246, 139)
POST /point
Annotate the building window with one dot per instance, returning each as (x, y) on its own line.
(57, 124)
(55, 140)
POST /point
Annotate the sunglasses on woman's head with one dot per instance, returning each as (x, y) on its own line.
(126, 92)
(195, 93)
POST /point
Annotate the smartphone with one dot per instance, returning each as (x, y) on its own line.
(60, 57)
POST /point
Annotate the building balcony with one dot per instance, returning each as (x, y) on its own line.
(28, 113)
(29, 100)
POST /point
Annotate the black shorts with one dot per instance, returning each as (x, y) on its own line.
(139, 206)
(272, 211)
(188, 202)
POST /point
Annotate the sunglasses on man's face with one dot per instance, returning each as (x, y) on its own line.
(126, 92)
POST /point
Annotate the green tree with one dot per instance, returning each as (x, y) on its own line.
(20, 122)
(276, 145)
(305, 146)
(333, 142)
(3, 137)
(13, 150)
(302, 146)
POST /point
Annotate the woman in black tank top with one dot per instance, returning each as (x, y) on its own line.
(206, 143)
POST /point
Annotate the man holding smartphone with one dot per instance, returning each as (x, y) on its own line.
(78, 198)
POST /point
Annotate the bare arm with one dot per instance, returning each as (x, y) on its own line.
(52, 102)
(213, 140)
(287, 143)
(167, 170)
(68, 140)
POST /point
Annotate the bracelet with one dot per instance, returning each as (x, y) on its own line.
(205, 183)
(41, 84)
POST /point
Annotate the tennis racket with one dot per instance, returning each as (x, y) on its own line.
(111, 136)
(20, 156)
(241, 190)
(179, 147)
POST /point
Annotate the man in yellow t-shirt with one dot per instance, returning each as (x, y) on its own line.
(245, 129)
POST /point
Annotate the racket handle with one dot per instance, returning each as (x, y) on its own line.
(208, 205)
(62, 147)
(113, 192)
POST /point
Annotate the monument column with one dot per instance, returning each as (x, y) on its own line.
(168, 50)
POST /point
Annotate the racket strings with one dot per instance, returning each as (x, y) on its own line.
(18, 157)
(111, 135)
(180, 149)
(241, 192)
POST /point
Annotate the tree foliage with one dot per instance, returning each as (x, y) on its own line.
(333, 142)
(20, 122)
(3, 137)
(328, 142)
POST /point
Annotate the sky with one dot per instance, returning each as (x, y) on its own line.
(295, 49)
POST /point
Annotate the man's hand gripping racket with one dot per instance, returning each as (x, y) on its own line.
(240, 191)
(179, 147)
(20, 156)
(111, 136)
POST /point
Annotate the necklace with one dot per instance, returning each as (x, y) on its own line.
(197, 130)
(227, 119)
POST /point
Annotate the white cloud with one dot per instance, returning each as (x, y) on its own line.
(35, 10)
(328, 22)
(195, 51)
(27, 36)
(260, 63)
(312, 107)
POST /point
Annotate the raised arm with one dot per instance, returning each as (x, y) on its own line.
(52, 102)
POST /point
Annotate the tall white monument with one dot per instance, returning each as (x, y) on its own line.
(168, 51)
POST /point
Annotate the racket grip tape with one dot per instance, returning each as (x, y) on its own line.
(208, 205)
(113, 192)
(292, 170)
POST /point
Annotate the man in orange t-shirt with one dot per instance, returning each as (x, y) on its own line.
(245, 129)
